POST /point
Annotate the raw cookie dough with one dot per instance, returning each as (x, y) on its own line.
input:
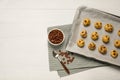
(102, 49)
(114, 53)
(92, 46)
(98, 25)
(94, 36)
(108, 27)
(86, 22)
(83, 34)
(81, 43)
(106, 38)
(118, 32)
(117, 43)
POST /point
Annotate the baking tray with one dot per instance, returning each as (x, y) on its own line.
(94, 15)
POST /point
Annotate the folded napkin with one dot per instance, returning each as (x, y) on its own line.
(78, 64)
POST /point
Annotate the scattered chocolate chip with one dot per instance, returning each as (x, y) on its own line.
(64, 62)
(63, 59)
(67, 57)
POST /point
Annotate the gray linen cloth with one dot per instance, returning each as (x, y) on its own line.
(80, 63)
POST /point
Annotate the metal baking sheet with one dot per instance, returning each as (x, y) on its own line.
(94, 15)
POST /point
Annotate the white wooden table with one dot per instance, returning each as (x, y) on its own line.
(23, 35)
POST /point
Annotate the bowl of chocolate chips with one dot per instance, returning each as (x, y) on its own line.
(56, 37)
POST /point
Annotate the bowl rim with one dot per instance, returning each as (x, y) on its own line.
(61, 41)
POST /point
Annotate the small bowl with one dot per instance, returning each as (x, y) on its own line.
(56, 37)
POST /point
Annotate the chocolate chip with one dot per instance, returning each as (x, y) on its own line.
(55, 36)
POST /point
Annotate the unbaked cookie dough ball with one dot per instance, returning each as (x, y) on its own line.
(102, 49)
(94, 36)
(83, 33)
(81, 43)
(98, 25)
(114, 53)
(92, 46)
(118, 32)
(106, 38)
(108, 27)
(117, 43)
(86, 22)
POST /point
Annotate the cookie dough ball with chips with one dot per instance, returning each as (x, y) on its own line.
(108, 27)
(114, 53)
(86, 22)
(83, 33)
(81, 43)
(118, 32)
(106, 38)
(94, 36)
(98, 25)
(117, 43)
(92, 46)
(102, 49)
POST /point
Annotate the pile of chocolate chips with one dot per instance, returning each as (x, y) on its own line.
(66, 57)
(55, 36)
